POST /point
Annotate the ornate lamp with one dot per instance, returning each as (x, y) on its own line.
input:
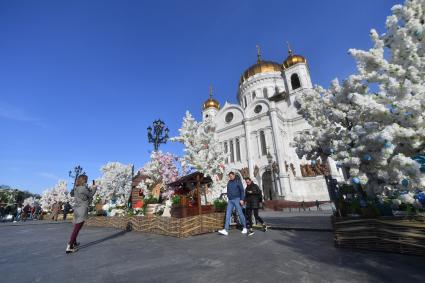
(157, 137)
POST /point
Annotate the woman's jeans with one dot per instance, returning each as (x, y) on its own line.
(74, 234)
(234, 203)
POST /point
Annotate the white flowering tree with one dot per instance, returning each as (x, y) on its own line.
(162, 168)
(373, 123)
(115, 183)
(58, 193)
(203, 152)
(32, 201)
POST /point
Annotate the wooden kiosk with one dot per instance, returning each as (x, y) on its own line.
(184, 222)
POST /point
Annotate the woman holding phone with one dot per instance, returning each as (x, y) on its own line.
(83, 196)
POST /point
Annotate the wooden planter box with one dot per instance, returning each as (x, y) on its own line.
(99, 209)
(398, 234)
(185, 211)
(169, 226)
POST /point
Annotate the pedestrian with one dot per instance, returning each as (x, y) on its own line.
(66, 209)
(253, 197)
(7, 210)
(303, 205)
(32, 212)
(317, 204)
(235, 196)
(37, 212)
(25, 211)
(83, 195)
(18, 213)
(56, 208)
(2, 212)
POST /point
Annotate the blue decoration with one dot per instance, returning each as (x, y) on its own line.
(405, 182)
(338, 164)
(420, 158)
(391, 108)
(313, 162)
(356, 180)
(367, 157)
(420, 197)
(332, 151)
(388, 144)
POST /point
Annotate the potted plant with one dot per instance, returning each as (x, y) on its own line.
(150, 204)
(175, 200)
(220, 205)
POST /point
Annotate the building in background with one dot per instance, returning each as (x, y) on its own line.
(258, 131)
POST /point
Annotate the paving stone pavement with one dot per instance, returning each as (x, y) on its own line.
(35, 253)
(298, 220)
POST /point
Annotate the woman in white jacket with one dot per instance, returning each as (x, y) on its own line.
(83, 196)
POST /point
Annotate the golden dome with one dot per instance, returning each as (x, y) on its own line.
(211, 102)
(260, 67)
(293, 59)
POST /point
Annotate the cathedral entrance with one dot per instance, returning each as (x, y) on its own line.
(267, 185)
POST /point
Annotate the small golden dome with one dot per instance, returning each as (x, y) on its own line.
(260, 67)
(293, 59)
(211, 102)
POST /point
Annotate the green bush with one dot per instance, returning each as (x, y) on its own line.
(175, 200)
(150, 200)
(220, 204)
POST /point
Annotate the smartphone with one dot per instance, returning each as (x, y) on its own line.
(94, 182)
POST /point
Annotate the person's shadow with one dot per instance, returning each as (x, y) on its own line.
(113, 236)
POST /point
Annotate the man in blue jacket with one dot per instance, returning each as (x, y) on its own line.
(235, 196)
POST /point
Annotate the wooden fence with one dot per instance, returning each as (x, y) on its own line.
(404, 235)
(169, 226)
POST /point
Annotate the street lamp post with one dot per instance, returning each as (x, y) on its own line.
(78, 170)
(270, 161)
(157, 137)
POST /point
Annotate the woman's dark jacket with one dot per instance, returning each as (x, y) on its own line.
(253, 196)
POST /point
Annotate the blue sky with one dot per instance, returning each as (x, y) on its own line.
(81, 80)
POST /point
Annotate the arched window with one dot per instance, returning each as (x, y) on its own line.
(253, 95)
(238, 150)
(226, 150)
(295, 81)
(265, 92)
(263, 143)
(244, 99)
(232, 152)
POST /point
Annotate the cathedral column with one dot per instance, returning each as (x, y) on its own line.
(249, 148)
(277, 140)
(257, 137)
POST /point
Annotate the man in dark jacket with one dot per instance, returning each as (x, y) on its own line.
(66, 209)
(253, 197)
(235, 196)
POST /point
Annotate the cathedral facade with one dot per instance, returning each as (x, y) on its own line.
(257, 132)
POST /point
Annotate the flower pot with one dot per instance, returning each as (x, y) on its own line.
(151, 208)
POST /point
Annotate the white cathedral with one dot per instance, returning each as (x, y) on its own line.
(258, 131)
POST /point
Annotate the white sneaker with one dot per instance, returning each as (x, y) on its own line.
(70, 250)
(244, 231)
(223, 232)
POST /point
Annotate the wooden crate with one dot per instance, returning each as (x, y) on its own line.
(404, 234)
(185, 211)
(169, 226)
